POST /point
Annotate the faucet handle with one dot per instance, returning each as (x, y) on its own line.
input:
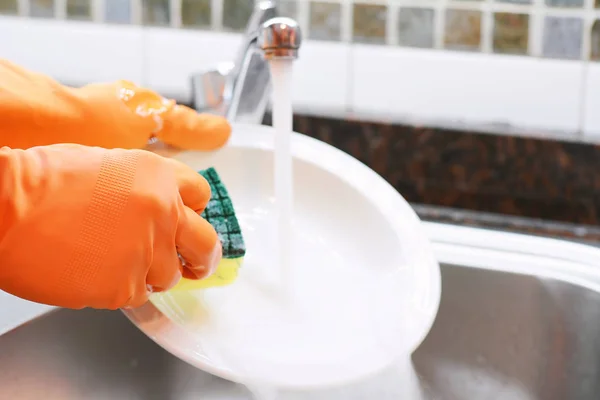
(208, 88)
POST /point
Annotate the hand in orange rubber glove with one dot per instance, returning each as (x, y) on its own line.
(88, 227)
(37, 111)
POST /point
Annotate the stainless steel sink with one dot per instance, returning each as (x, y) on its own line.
(498, 335)
(508, 336)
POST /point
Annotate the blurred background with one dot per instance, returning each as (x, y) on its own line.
(480, 112)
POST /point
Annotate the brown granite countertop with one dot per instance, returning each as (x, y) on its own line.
(537, 185)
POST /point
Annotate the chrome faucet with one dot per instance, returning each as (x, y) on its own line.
(240, 90)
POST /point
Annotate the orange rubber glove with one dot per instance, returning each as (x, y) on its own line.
(89, 227)
(37, 111)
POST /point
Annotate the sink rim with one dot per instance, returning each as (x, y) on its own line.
(518, 253)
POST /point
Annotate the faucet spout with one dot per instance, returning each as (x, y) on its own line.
(280, 38)
(247, 88)
(240, 91)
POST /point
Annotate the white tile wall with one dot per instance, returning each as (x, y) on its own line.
(323, 72)
(170, 59)
(77, 51)
(468, 88)
(527, 94)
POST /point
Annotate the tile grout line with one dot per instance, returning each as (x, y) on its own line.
(391, 23)
(216, 15)
(136, 12)
(303, 16)
(588, 22)
(586, 50)
(175, 13)
(23, 8)
(439, 24)
(98, 10)
(346, 20)
(487, 27)
(60, 9)
(346, 27)
(136, 16)
(536, 28)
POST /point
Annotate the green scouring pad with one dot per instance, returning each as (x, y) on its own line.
(221, 215)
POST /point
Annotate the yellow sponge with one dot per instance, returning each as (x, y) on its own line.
(221, 215)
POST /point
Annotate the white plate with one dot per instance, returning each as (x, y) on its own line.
(368, 284)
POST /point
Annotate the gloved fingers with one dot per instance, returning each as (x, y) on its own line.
(165, 271)
(186, 129)
(193, 188)
(199, 245)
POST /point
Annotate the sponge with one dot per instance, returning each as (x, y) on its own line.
(220, 214)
